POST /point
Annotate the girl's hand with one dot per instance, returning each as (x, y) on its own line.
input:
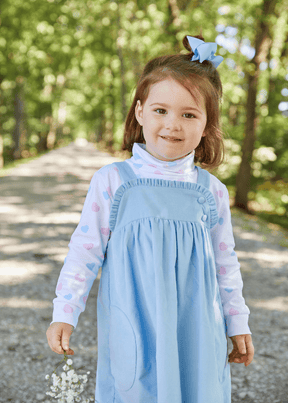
(58, 335)
(243, 349)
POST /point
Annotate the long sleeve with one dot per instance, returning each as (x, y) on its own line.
(89, 241)
(86, 252)
(228, 274)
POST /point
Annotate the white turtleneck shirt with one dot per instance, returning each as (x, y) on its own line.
(89, 241)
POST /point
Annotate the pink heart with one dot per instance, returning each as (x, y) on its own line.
(68, 308)
(219, 193)
(59, 287)
(88, 246)
(158, 172)
(79, 278)
(95, 207)
(105, 231)
(233, 312)
(223, 246)
(153, 166)
(85, 299)
(109, 191)
(222, 270)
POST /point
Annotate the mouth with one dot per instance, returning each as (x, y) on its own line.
(171, 139)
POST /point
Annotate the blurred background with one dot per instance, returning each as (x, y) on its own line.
(68, 70)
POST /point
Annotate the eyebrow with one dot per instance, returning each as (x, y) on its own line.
(185, 107)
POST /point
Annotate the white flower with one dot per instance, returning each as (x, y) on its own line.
(75, 377)
(70, 373)
(50, 394)
(69, 385)
(63, 376)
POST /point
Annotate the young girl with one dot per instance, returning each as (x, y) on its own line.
(160, 228)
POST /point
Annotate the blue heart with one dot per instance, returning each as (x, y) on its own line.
(172, 164)
(69, 296)
(90, 266)
(228, 289)
(221, 221)
(85, 228)
(89, 189)
(106, 196)
(233, 254)
(138, 165)
(136, 156)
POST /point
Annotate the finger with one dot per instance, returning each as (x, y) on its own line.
(54, 343)
(65, 342)
(238, 360)
(250, 352)
(241, 344)
(235, 353)
(232, 355)
(60, 350)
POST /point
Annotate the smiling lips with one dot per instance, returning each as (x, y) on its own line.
(168, 138)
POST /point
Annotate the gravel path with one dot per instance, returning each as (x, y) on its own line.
(40, 206)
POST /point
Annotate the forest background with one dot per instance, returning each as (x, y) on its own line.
(69, 68)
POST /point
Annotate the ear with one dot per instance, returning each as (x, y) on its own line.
(204, 134)
(139, 113)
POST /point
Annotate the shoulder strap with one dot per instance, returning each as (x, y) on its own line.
(203, 177)
(126, 173)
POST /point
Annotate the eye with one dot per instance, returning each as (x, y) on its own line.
(158, 109)
(191, 115)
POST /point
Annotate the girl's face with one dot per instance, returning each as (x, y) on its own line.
(173, 123)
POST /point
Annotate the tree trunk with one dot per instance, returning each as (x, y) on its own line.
(51, 137)
(1, 152)
(262, 43)
(123, 88)
(19, 131)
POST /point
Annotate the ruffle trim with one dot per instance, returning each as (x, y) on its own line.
(162, 183)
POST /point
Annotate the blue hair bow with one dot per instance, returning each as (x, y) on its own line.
(204, 51)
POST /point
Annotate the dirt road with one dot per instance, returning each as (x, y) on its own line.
(40, 206)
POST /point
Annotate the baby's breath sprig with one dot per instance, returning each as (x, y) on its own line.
(67, 387)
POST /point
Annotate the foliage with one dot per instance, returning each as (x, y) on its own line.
(72, 67)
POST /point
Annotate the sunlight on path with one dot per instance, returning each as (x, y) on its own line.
(40, 206)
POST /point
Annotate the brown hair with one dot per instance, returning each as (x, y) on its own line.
(192, 75)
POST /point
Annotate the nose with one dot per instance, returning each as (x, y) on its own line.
(172, 123)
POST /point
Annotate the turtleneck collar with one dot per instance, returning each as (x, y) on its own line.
(141, 156)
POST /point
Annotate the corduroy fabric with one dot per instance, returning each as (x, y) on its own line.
(161, 328)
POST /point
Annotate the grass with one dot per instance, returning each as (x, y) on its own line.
(13, 164)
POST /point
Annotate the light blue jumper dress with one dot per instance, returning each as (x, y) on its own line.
(161, 329)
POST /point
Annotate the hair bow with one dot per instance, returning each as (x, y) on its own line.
(204, 51)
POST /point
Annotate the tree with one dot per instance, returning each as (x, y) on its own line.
(262, 46)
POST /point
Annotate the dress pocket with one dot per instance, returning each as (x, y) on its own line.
(123, 352)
